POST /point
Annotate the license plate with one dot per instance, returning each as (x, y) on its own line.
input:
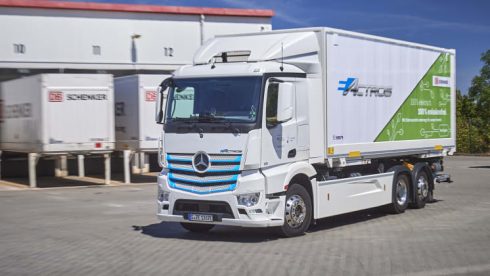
(199, 217)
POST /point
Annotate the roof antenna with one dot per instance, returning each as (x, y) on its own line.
(282, 57)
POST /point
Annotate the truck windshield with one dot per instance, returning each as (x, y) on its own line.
(232, 99)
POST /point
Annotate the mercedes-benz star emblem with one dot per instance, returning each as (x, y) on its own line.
(200, 162)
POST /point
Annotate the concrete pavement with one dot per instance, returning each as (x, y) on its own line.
(113, 231)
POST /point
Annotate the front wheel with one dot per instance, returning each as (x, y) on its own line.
(298, 211)
(197, 227)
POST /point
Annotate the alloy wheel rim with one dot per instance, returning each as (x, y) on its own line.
(401, 192)
(295, 211)
(422, 187)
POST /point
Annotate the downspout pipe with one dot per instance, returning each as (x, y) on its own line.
(201, 24)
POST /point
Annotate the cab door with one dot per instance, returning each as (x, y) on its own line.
(279, 138)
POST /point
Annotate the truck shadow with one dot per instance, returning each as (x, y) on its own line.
(169, 230)
(331, 223)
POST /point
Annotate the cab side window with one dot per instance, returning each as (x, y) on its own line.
(271, 111)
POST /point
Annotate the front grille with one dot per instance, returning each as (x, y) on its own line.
(215, 167)
(221, 208)
(209, 178)
(202, 189)
(221, 176)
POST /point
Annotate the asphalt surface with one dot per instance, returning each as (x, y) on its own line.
(113, 231)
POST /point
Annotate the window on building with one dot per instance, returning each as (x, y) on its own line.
(168, 51)
(19, 48)
(96, 50)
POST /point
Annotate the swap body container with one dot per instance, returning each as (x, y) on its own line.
(136, 96)
(387, 97)
(368, 96)
(58, 113)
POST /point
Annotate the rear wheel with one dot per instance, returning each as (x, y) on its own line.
(422, 186)
(400, 194)
(197, 227)
(298, 211)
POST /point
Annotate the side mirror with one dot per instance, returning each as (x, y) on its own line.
(285, 102)
(161, 97)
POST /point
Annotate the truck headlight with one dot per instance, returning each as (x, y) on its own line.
(248, 200)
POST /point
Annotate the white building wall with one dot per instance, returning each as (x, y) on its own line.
(65, 38)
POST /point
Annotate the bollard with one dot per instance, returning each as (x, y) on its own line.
(81, 165)
(32, 162)
(107, 168)
(127, 165)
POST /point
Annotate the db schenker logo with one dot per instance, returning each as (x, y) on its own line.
(55, 96)
(151, 96)
(58, 96)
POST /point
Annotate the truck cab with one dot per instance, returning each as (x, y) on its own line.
(228, 130)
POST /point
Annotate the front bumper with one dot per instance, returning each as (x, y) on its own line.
(268, 212)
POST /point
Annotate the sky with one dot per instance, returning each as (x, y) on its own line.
(463, 25)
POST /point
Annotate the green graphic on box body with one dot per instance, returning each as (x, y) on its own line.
(426, 113)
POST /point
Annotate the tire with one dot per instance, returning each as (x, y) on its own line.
(400, 194)
(197, 227)
(422, 189)
(298, 211)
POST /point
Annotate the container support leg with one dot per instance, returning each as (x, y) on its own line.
(81, 165)
(57, 167)
(32, 162)
(127, 166)
(61, 165)
(144, 163)
(64, 165)
(107, 168)
(0, 164)
(135, 164)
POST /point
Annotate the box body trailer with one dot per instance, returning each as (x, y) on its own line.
(135, 98)
(280, 128)
(137, 134)
(56, 113)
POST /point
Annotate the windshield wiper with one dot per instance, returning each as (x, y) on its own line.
(184, 120)
(207, 117)
(191, 123)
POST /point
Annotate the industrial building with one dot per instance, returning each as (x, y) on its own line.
(41, 36)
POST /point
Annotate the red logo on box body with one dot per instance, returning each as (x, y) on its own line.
(55, 96)
(151, 96)
(439, 81)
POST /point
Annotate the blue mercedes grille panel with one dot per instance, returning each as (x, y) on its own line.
(221, 174)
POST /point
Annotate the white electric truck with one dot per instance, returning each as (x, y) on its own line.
(277, 129)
